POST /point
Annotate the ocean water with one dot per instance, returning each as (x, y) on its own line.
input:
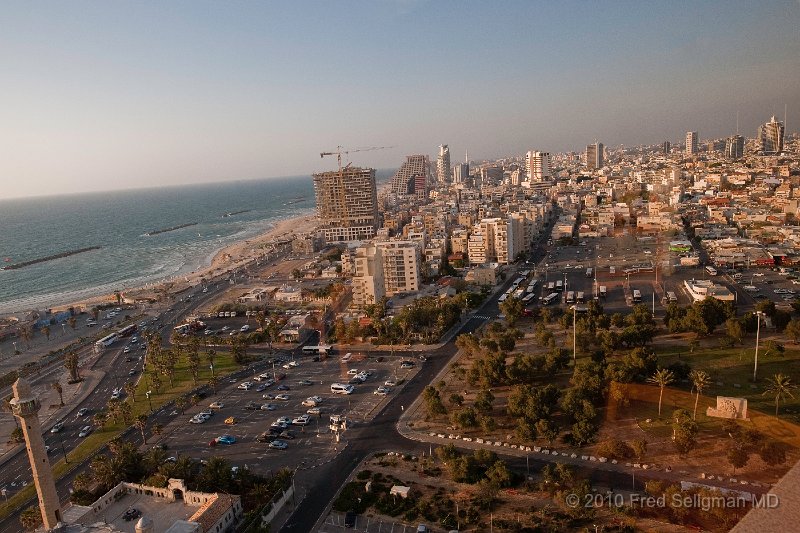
(118, 221)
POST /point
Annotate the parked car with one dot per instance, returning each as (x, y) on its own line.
(226, 439)
(217, 405)
(131, 514)
(301, 420)
(314, 411)
(278, 445)
(268, 407)
(282, 397)
(230, 420)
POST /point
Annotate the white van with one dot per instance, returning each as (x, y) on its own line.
(342, 388)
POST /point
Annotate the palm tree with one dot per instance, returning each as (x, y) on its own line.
(71, 364)
(130, 390)
(25, 334)
(60, 390)
(73, 322)
(180, 403)
(141, 425)
(701, 381)
(46, 331)
(158, 429)
(213, 383)
(662, 378)
(780, 386)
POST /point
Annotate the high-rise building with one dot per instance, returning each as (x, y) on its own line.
(460, 172)
(666, 147)
(403, 182)
(443, 164)
(594, 156)
(770, 137)
(734, 147)
(385, 269)
(25, 406)
(347, 204)
(496, 240)
(537, 165)
(692, 142)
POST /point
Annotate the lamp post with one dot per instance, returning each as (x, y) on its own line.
(149, 402)
(574, 335)
(758, 331)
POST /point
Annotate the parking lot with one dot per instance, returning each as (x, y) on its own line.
(310, 444)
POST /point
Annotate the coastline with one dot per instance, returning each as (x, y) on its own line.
(215, 264)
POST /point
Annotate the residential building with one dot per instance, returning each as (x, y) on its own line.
(368, 284)
(403, 182)
(734, 147)
(385, 269)
(443, 164)
(460, 173)
(538, 165)
(692, 143)
(347, 204)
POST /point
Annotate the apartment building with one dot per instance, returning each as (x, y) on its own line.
(385, 269)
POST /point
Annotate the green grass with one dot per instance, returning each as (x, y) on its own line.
(223, 364)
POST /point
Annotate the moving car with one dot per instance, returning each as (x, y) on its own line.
(58, 426)
(85, 430)
(83, 411)
(247, 385)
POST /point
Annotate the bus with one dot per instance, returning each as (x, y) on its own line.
(502, 297)
(105, 342)
(637, 296)
(580, 298)
(551, 286)
(533, 285)
(341, 388)
(711, 270)
(671, 297)
(525, 273)
(322, 349)
(528, 297)
(570, 297)
(612, 270)
(127, 331)
(519, 293)
(603, 291)
(589, 272)
(550, 298)
(518, 281)
(559, 285)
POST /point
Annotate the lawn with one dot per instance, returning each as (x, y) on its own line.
(223, 364)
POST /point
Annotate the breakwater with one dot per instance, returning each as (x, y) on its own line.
(15, 266)
(173, 228)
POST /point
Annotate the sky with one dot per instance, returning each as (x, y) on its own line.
(113, 95)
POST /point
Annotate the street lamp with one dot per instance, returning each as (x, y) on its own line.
(758, 331)
(574, 334)
(149, 402)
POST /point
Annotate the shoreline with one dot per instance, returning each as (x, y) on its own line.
(212, 264)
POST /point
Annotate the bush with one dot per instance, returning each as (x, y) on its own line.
(615, 449)
(364, 474)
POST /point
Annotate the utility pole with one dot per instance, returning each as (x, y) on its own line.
(574, 335)
(758, 331)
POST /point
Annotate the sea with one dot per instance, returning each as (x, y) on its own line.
(118, 223)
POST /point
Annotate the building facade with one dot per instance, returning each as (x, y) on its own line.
(538, 165)
(594, 156)
(403, 182)
(734, 147)
(770, 137)
(443, 164)
(347, 204)
(692, 143)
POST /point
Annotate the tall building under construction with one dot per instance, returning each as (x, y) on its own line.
(347, 203)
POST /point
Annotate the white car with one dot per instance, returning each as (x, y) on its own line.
(247, 385)
(301, 420)
(284, 420)
(352, 372)
(382, 391)
(314, 411)
(197, 419)
(244, 328)
(346, 357)
(216, 405)
(85, 430)
(293, 363)
(283, 397)
(390, 382)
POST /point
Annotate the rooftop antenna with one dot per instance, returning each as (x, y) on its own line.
(737, 122)
(466, 156)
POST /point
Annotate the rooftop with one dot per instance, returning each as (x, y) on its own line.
(162, 512)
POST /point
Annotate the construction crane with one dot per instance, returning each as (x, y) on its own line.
(338, 152)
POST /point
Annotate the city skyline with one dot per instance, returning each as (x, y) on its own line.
(128, 96)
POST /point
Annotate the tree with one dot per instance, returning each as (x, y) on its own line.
(701, 381)
(547, 430)
(433, 402)
(180, 403)
(60, 390)
(31, 518)
(464, 418)
(130, 390)
(737, 457)
(662, 378)
(158, 429)
(772, 453)
(513, 308)
(684, 431)
(456, 399)
(735, 329)
(46, 332)
(780, 387)
(141, 425)
(483, 401)
(617, 320)
(72, 322)
(793, 329)
(71, 364)
(639, 447)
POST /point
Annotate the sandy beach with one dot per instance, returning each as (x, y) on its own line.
(224, 260)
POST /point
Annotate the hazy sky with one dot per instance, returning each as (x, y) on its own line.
(109, 95)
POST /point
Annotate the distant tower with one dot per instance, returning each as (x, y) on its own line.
(537, 165)
(770, 137)
(691, 143)
(666, 147)
(443, 164)
(594, 156)
(734, 147)
(26, 407)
